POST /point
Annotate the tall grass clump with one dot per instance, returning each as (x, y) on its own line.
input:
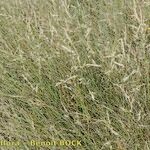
(72, 69)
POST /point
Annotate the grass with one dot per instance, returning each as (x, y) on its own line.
(75, 70)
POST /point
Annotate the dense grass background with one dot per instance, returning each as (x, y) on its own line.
(73, 69)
